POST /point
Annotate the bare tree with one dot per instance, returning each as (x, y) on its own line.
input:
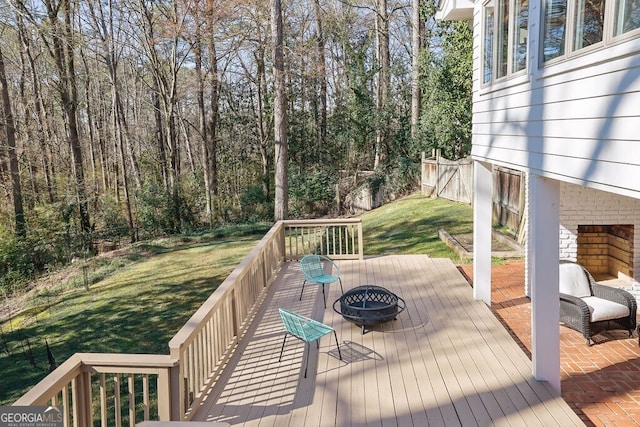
(59, 38)
(417, 34)
(207, 76)
(9, 129)
(279, 113)
(40, 114)
(384, 80)
(322, 74)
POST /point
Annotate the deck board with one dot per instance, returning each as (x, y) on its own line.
(445, 361)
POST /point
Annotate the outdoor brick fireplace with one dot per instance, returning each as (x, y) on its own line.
(606, 250)
(601, 231)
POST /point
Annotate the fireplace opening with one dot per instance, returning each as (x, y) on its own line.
(606, 251)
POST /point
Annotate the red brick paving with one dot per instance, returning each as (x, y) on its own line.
(600, 383)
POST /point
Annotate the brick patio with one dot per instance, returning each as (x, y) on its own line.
(602, 382)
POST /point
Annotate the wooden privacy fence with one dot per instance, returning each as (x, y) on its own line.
(124, 389)
(509, 199)
(449, 179)
(453, 180)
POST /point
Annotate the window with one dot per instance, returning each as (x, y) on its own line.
(555, 13)
(506, 26)
(589, 25)
(627, 16)
(503, 38)
(520, 35)
(488, 43)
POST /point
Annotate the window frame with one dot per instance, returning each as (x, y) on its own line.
(570, 51)
(512, 28)
(625, 35)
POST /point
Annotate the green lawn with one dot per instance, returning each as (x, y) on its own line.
(410, 226)
(137, 301)
(136, 308)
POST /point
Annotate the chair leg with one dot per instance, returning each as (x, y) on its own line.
(337, 345)
(282, 349)
(305, 281)
(307, 360)
(324, 297)
(341, 288)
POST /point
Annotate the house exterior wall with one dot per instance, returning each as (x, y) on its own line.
(585, 206)
(575, 120)
(571, 126)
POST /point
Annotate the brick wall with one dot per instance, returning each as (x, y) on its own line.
(588, 207)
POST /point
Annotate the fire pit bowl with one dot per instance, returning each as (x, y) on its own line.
(369, 305)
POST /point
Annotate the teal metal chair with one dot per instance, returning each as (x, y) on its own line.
(305, 329)
(312, 267)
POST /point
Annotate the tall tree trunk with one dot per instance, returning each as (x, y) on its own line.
(123, 166)
(212, 123)
(202, 121)
(261, 83)
(40, 111)
(417, 31)
(160, 139)
(90, 124)
(384, 80)
(322, 75)
(279, 114)
(208, 117)
(63, 53)
(9, 128)
(29, 130)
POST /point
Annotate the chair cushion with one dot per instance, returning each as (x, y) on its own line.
(602, 309)
(574, 281)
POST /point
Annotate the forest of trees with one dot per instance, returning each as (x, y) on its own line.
(129, 119)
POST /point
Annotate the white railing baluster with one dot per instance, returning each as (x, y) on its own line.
(132, 401)
(146, 403)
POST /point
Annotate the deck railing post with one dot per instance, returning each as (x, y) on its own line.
(81, 398)
(281, 238)
(165, 392)
(360, 242)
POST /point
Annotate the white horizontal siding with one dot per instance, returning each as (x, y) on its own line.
(624, 130)
(623, 152)
(614, 177)
(577, 120)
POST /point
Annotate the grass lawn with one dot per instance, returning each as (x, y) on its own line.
(136, 308)
(410, 226)
(138, 298)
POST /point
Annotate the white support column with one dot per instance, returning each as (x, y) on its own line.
(543, 251)
(482, 214)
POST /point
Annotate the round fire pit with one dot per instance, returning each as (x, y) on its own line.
(369, 305)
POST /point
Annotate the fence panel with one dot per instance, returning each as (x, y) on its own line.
(508, 197)
(453, 180)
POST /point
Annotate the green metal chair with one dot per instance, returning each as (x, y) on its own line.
(313, 269)
(305, 329)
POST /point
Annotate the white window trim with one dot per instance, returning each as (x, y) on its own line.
(502, 81)
(570, 54)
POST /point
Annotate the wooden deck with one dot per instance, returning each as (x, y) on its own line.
(445, 361)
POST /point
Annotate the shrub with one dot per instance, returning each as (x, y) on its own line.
(311, 193)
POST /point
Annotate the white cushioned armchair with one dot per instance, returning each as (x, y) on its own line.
(591, 308)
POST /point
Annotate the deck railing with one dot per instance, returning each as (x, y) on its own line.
(337, 239)
(124, 389)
